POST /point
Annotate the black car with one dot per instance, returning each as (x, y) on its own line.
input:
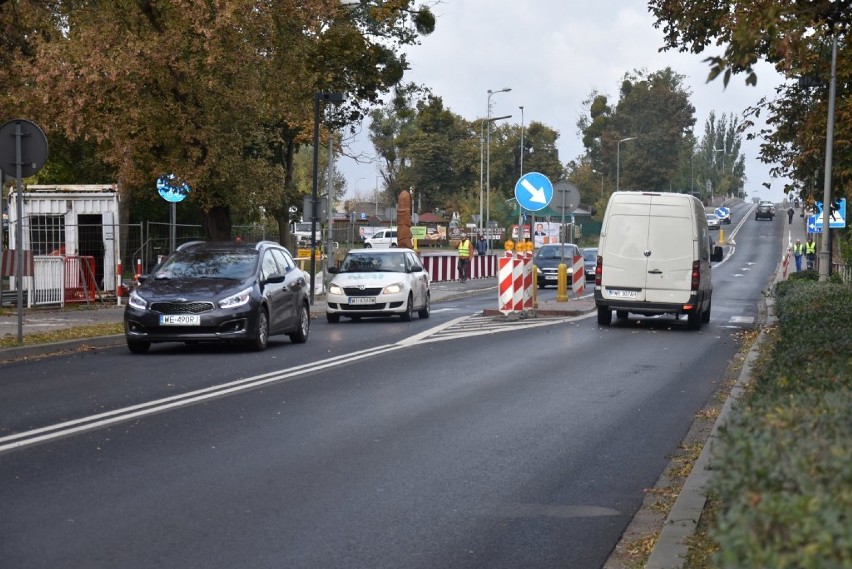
(548, 258)
(765, 210)
(232, 292)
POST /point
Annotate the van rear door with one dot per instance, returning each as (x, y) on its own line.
(626, 242)
(669, 254)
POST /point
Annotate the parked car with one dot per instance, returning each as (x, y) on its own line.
(765, 210)
(379, 282)
(220, 292)
(382, 238)
(713, 221)
(547, 260)
(590, 261)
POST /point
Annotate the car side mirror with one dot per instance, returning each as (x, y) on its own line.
(333, 270)
(275, 278)
(416, 269)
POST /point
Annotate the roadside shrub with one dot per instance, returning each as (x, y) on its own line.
(781, 467)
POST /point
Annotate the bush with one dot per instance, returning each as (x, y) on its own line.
(781, 468)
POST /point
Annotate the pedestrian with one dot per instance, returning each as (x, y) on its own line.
(798, 251)
(465, 251)
(790, 213)
(810, 252)
(481, 245)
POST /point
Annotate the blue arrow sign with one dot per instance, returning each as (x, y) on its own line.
(171, 189)
(533, 191)
(812, 226)
(722, 211)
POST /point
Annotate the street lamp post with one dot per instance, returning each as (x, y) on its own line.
(618, 161)
(333, 98)
(522, 139)
(488, 165)
(602, 179)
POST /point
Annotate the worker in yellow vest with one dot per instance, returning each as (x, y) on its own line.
(465, 250)
(810, 252)
(798, 251)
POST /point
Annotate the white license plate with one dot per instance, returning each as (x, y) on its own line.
(550, 277)
(624, 293)
(180, 320)
(362, 300)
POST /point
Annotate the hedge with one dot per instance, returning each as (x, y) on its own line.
(782, 469)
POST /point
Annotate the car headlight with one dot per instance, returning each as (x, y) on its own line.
(395, 288)
(137, 301)
(335, 289)
(237, 300)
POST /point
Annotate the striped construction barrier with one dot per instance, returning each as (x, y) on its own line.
(442, 268)
(578, 276)
(506, 284)
(529, 286)
(518, 277)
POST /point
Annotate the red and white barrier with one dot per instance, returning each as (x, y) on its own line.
(578, 276)
(118, 273)
(506, 284)
(528, 281)
(518, 287)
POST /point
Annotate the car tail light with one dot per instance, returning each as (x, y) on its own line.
(598, 271)
(696, 275)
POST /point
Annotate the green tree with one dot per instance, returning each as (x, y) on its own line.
(795, 37)
(654, 110)
(220, 93)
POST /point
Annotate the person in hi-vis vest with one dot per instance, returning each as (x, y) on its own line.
(465, 250)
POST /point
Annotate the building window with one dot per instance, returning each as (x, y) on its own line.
(47, 234)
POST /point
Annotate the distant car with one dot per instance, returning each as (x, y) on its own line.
(220, 292)
(713, 221)
(547, 260)
(382, 238)
(590, 260)
(379, 282)
(765, 210)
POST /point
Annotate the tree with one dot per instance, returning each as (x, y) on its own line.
(219, 93)
(655, 109)
(796, 38)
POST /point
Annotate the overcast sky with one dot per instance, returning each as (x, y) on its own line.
(553, 54)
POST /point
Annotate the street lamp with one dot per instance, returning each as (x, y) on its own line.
(618, 161)
(522, 139)
(602, 179)
(488, 165)
(332, 98)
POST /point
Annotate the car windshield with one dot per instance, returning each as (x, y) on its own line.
(386, 262)
(555, 251)
(590, 254)
(207, 264)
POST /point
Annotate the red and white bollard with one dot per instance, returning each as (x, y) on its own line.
(118, 273)
(518, 277)
(578, 276)
(506, 283)
(528, 278)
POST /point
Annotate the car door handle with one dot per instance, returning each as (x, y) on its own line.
(655, 272)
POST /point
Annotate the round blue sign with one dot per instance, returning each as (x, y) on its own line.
(533, 191)
(171, 189)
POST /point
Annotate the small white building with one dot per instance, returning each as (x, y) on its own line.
(70, 221)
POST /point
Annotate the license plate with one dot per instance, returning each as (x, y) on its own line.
(180, 320)
(624, 293)
(362, 300)
(550, 277)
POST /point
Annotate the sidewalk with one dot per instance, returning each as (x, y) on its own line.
(37, 320)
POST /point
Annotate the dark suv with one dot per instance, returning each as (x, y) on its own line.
(233, 292)
(764, 211)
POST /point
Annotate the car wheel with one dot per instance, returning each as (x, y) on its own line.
(261, 338)
(424, 312)
(367, 246)
(621, 314)
(693, 320)
(137, 347)
(604, 316)
(408, 315)
(300, 336)
(705, 316)
(332, 318)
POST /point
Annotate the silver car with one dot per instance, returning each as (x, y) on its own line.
(713, 221)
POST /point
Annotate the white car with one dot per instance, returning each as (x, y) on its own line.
(382, 238)
(713, 221)
(378, 282)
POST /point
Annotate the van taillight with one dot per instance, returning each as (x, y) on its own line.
(598, 271)
(696, 275)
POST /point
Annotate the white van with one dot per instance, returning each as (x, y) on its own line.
(654, 258)
(382, 238)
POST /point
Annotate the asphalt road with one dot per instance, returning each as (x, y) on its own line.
(457, 441)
